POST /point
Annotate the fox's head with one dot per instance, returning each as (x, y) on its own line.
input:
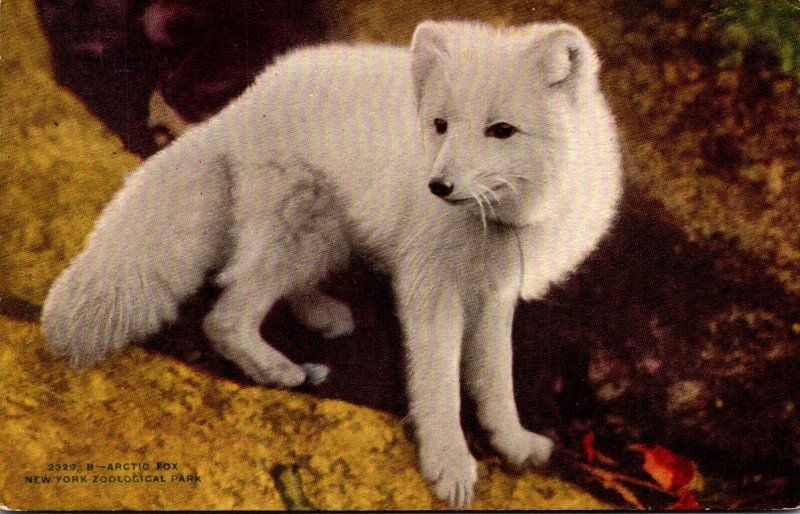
(503, 114)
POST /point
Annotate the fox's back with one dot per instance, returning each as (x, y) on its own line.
(347, 111)
(341, 107)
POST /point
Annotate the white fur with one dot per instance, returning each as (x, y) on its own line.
(330, 152)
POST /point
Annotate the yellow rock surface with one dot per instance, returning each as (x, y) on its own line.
(144, 409)
(59, 166)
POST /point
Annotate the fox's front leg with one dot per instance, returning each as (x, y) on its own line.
(433, 322)
(488, 379)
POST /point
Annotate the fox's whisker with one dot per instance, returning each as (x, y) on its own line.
(488, 190)
(480, 206)
(488, 204)
(505, 183)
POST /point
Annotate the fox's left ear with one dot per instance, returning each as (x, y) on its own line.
(566, 59)
(428, 47)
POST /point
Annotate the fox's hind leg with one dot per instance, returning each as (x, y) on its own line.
(322, 313)
(233, 328)
(288, 232)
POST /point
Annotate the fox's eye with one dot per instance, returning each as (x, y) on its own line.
(501, 130)
(441, 125)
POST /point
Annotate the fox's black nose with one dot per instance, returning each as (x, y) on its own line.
(441, 187)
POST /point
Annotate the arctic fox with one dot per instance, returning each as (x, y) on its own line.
(476, 167)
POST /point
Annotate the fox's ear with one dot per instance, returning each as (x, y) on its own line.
(566, 59)
(428, 47)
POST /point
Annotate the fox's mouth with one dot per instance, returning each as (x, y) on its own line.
(488, 194)
(457, 201)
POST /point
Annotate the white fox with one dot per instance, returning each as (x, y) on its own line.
(476, 168)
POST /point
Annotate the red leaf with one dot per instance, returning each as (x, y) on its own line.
(588, 447)
(686, 501)
(670, 471)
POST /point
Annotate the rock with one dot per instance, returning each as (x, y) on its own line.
(174, 438)
(685, 344)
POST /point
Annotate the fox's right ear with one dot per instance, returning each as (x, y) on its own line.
(567, 60)
(428, 47)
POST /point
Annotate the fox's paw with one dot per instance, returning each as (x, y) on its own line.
(315, 373)
(522, 448)
(276, 374)
(323, 314)
(451, 471)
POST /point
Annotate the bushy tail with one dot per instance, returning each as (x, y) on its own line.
(151, 248)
